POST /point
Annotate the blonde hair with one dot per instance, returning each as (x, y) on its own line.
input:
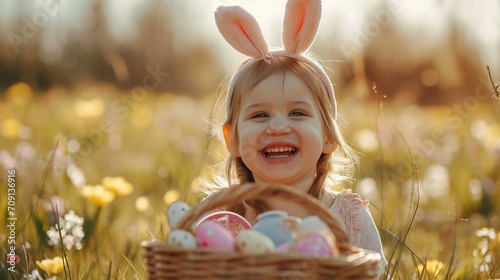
(332, 169)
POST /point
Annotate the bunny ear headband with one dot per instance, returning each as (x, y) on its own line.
(300, 25)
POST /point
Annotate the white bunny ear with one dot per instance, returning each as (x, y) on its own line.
(300, 25)
(241, 31)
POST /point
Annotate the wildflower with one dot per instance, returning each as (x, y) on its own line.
(76, 175)
(89, 109)
(97, 194)
(141, 116)
(35, 275)
(142, 204)
(171, 196)
(10, 128)
(432, 267)
(13, 259)
(7, 161)
(118, 185)
(483, 254)
(69, 230)
(55, 204)
(486, 232)
(19, 93)
(51, 266)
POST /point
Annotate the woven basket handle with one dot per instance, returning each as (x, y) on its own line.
(249, 191)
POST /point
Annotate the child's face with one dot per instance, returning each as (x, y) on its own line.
(280, 131)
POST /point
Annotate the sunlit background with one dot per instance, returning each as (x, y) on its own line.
(124, 89)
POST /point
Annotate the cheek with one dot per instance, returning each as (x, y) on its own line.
(248, 143)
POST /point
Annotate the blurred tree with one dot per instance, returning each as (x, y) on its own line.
(91, 53)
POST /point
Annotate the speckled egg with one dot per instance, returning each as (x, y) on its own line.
(314, 244)
(176, 211)
(233, 222)
(254, 242)
(210, 234)
(182, 238)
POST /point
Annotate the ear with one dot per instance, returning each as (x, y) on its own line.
(241, 31)
(300, 25)
(226, 130)
(330, 145)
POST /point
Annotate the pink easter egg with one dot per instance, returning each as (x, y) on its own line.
(314, 244)
(210, 234)
(233, 222)
(285, 247)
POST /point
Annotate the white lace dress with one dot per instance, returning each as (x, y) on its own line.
(353, 212)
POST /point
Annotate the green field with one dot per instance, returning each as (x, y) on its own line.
(432, 175)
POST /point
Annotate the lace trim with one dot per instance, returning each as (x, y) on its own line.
(346, 208)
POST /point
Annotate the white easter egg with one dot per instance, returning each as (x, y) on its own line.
(182, 238)
(177, 211)
(254, 242)
(313, 224)
(309, 225)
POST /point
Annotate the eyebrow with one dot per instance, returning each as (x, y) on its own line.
(252, 106)
(303, 103)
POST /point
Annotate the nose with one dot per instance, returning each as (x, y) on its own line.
(278, 125)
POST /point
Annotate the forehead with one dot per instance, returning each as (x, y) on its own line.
(285, 86)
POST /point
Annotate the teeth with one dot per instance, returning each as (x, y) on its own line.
(279, 149)
(277, 156)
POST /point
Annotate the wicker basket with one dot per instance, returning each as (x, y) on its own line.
(168, 262)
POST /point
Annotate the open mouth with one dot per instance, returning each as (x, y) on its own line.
(279, 152)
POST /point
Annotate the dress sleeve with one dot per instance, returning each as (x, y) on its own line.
(353, 212)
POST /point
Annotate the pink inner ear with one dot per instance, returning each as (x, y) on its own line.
(302, 18)
(237, 22)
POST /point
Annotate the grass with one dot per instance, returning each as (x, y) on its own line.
(432, 197)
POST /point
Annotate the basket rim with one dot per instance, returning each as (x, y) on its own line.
(241, 192)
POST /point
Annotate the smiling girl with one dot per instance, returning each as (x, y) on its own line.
(280, 123)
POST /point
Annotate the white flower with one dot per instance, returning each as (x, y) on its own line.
(486, 232)
(69, 229)
(35, 275)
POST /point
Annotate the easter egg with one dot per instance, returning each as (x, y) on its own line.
(210, 234)
(313, 224)
(254, 242)
(182, 238)
(176, 211)
(286, 247)
(315, 245)
(233, 222)
(271, 223)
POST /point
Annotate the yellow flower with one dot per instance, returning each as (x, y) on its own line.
(171, 196)
(97, 194)
(118, 185)
(142, 204)
(432, 267)
(51, 266)
(141, 116)
(19, 93)
(89, 109)
(10, 128)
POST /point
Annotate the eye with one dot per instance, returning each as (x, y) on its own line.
(297, 114)
(259, 116)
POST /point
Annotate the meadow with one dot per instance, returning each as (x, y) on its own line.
(88, 173)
